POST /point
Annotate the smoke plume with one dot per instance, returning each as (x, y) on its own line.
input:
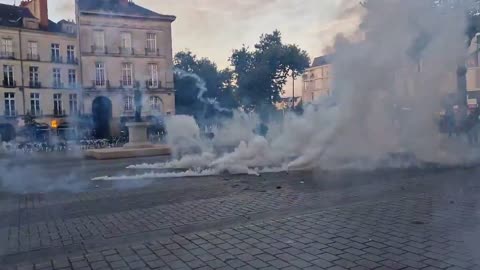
(388, 90)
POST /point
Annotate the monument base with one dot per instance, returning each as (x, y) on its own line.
(125, 152)
(137, 146)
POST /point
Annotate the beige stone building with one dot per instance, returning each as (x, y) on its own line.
(317, 79)
(124, 47)
(39, 60)
(54, 71)
(473, 74)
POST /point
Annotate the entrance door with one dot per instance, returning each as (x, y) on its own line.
(102, 115)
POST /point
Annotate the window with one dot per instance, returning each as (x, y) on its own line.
(127, 74)
(126, 41)
(153, 70)
(7, 48)
(33, 50)
(10, 104)
(34, 77)
(72, 77)
(56, 78)
(57, 104)
(35, 104)
(71, 54)
(151, 42)
(8, 79)
(99, 39)
(55, 52)
(73, 102)
(129, 103)
(156, 103)
(100, 74)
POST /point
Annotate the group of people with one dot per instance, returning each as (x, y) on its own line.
(457, 122)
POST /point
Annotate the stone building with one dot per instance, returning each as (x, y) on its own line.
(55, 71)
(124, 47)
(317, 79)
(39, 60)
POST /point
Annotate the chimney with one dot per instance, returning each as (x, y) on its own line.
(39, 9)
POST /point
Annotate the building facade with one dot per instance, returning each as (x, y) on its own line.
(57, 71)
(317, 79)
(123, 48)
(473, 74)
(39, 60)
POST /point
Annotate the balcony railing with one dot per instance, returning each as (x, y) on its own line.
(100, 83)
(57, 85)
(151, 51)
(33, 57)
(56, 59)
(36, 113)
(59, 113)
(9, 83)
(72, 60)
(10, 113)
(126, 51)
(35, 84)
(73, 85)
(153, 84)
(99, 49)
(7, 55)
(129, 84)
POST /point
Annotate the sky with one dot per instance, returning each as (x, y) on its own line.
(213, 28)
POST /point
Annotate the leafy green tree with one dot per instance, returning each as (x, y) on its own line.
(262, 73)
(204, 82)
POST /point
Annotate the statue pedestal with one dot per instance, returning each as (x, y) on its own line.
(137, 135)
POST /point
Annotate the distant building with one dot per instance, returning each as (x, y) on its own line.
(317, 79)
(54, 71)
(473, 74)
(124, 46)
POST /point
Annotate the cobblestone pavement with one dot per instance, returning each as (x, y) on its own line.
(420, 219)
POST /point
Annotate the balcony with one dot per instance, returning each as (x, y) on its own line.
(57, 85)
(7, 55)
(100, 84)
(35, 84)
(59, 113)
(35, 113)
(72, 60)
(9, 83)
(57, 59)
(153, 84)
(129, 84)
(150, 51)
(126, 51)
(10, 113)
(99, 49)
(33, 57)
(73, 85)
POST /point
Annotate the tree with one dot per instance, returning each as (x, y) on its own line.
(201, 88)
(262, 73)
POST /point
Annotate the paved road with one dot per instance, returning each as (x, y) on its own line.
(415, 219)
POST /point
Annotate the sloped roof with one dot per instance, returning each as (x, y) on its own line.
(322, 60)
(116, 7)
(13, 15)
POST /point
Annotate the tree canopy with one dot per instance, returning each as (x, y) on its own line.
(262, 73)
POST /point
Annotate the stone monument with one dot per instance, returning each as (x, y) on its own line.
(137, 130)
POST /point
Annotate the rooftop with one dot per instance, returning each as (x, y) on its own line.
(121, 8)
(322, 60)
(13, 15)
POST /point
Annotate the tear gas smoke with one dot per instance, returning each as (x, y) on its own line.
(388, 89)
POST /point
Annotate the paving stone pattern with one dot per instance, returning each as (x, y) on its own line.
(424, 221)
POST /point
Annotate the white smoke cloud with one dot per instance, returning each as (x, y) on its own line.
(388, 90)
